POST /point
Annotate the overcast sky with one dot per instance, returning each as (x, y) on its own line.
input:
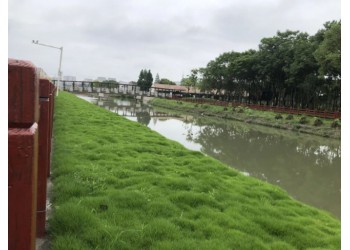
(117, 39)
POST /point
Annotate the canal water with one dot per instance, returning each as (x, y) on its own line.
(307, 167)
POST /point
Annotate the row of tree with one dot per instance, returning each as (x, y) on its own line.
(163, 81)
(290, 69)
(145, 80)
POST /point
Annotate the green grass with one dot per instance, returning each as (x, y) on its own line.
(119, 185)
(265, 118)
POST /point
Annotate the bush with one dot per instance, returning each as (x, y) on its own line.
(240, 109)
(225, 108)
(335, 123)
(278, 116)
(289, 117)
(318, 122)
(303, 120)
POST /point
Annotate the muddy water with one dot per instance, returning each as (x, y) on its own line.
(308, 167)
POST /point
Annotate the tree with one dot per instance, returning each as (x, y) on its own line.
(186, 81)
(276, 55)
(149, 78)
(166, 81)
(145, 80)
(328, 54)
(244, 73)
(109, 83)
(302, 83)
(290, 69)
(194, 78)
(191, 80)
(157, 80)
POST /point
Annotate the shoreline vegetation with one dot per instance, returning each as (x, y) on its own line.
(298, 123)
(119, 185)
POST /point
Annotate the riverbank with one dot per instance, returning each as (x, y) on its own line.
(265, 118)
(119, 185)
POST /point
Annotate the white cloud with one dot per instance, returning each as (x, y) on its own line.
(119, 38)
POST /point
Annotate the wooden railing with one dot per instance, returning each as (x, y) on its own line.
(311, 112)
(30, 117)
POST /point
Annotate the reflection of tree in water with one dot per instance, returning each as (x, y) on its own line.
(143, 117)
(308, 169)
(247, 142)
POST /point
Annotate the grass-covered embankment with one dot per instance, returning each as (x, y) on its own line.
(119, 185)
(309, 125)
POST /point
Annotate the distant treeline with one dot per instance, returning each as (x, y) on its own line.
(290, 69)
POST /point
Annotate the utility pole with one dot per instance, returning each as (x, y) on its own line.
(59, 67)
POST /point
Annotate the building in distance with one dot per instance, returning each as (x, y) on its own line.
(69, 78)
(101, 78)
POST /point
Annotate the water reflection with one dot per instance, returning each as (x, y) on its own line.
(127, 107)
(143, 117)
(308, 167)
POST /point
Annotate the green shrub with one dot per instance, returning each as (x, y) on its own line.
(318, 122)
(240, 109)
(225, 108)
(335, 123)
(289, 117)
(297, 126)
(303, 120)
(278, 116)
(249, 111)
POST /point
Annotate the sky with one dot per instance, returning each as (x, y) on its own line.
(110, 38)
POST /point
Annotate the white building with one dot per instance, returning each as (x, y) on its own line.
(101, 79)
(69, 78)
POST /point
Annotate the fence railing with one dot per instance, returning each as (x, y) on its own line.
(30, 117)
(311, 112)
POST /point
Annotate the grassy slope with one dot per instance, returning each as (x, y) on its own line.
(266, 118)
(119, 185)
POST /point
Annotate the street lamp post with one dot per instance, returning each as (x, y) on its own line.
(59, 67)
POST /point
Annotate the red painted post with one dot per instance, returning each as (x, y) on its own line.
(22, 179)
(52, 105)
(43, 166)
(23, 115)
(23, 93)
